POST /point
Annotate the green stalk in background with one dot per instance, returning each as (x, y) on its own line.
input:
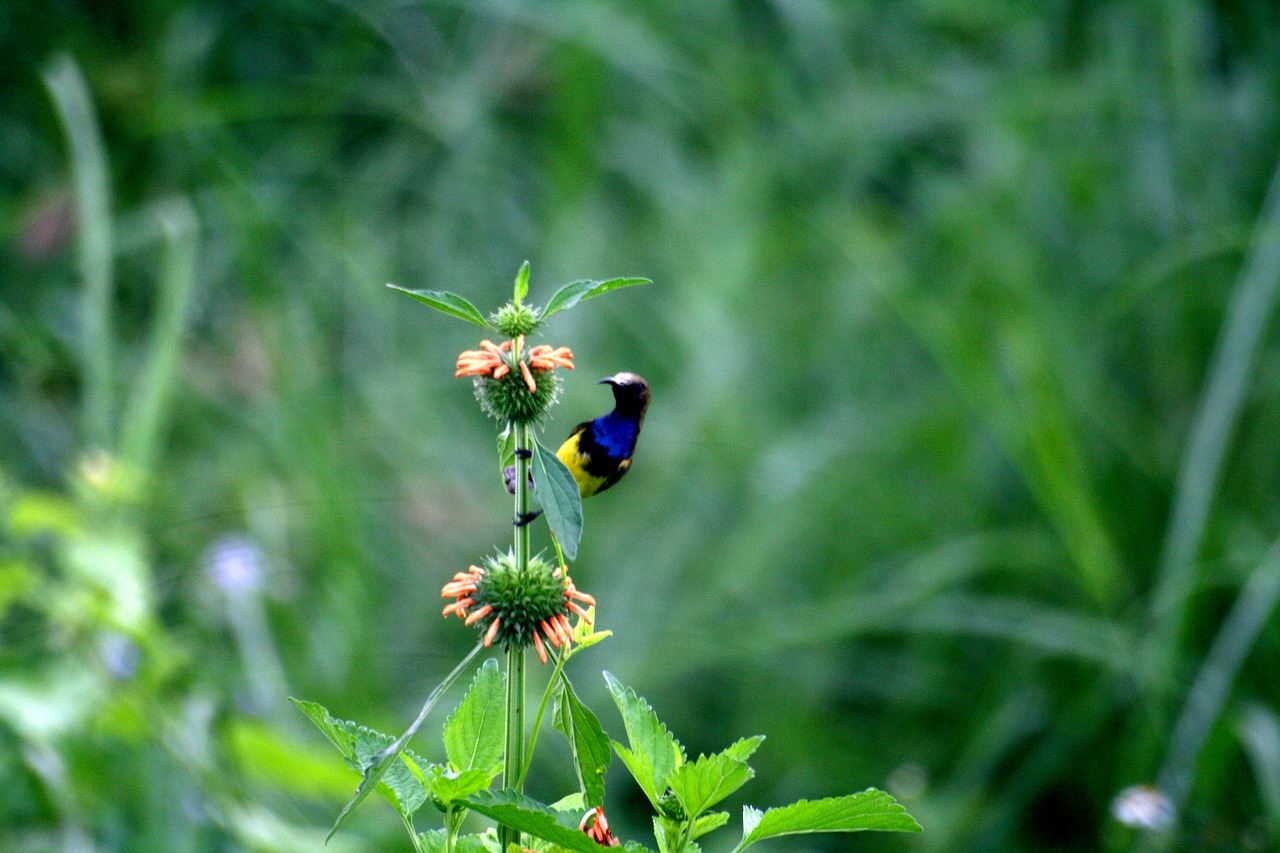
(94, 241)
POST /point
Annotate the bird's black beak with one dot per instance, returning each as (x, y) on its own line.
(608, 380)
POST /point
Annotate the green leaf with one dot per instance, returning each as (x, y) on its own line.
(436, 841)
(522, 283)
(745, 748)
(473, 736)
(401, 783)
(513, 809)
(588, 741)
(576, 291)
(700, 784)
(708, 823)
(869, 810)
(558, 493)
(654, 754)
(506, 449)
(450, 303)
(448, 786)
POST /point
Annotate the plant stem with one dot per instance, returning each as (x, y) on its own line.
(542, 709)
(513, 765)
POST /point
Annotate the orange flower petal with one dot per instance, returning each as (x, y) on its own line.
(542, 652)
(479, 614)
(491, 633)
(573, 605)
(528, 378)
(501, 370)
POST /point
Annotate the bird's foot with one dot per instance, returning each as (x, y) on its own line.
(525, 517)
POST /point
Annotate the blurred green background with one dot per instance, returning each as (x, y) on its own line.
(960, 478)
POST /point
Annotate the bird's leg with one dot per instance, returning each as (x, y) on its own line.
(524, 453)
(525, 517)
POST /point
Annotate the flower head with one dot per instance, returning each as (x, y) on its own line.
(515, 608)
(597, 828)
(513, 382)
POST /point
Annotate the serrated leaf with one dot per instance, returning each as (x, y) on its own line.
(576, 291)
(522, 283)
(448, 786)
(744, 748)
(587, 740)
(513, 809)
(654, 752)
(700, 784)
(473, 736)
(436, 840)
(558, 494)
(868, 810)
(401, 784)
(708, 823)
(449, 303)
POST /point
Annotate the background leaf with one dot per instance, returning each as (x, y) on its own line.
(450, 303)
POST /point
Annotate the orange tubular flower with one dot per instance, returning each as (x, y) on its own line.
(598, 829)
(497, 361)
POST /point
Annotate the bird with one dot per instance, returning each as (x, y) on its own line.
(598, 452)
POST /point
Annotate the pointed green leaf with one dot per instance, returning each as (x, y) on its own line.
(448, 786)
(708, 823)
(522, 283)
(576, 291)
(450, 303)
(700, 784)
(654, 753)
(869, 810)
(587, 740)
(506, 449)
(519, 812)
(558, 494)
(745, 748)
(401, 783)
(473, 736)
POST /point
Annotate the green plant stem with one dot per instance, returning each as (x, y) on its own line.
(413, 833)
(513, 765)
(542, 709)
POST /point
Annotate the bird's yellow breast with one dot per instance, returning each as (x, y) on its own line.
(576, 461)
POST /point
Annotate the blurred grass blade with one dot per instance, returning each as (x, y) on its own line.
(144, 416)
(1259, 730)
(1251, 305)
(1213, 682)
(94, 241)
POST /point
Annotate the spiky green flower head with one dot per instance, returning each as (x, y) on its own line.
(521, 601)
(510, 398)
(518, 608)
(514, 320)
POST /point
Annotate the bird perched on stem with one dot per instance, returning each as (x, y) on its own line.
(598, 452)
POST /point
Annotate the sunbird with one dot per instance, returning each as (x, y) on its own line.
(598, 452)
